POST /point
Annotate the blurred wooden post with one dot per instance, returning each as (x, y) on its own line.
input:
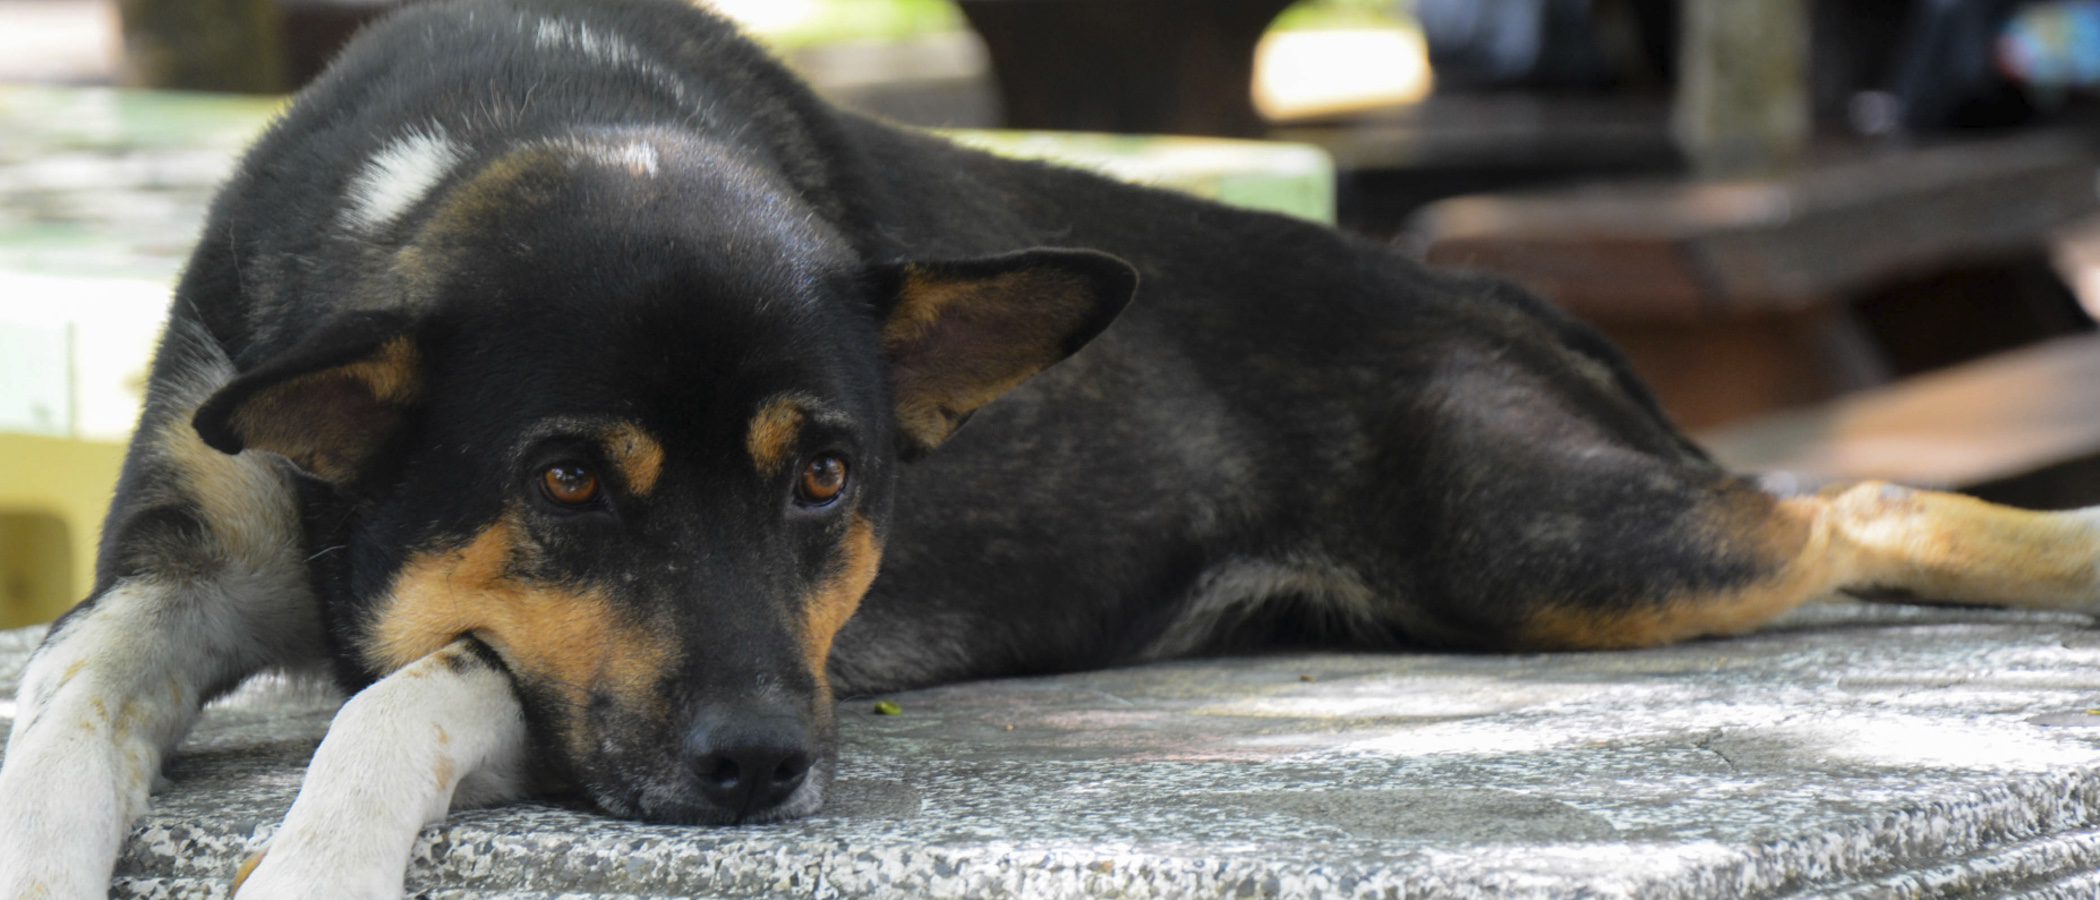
(1126, 66)
(1742, 105)
(203, 45)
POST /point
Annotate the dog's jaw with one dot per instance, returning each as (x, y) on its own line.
(671, 801)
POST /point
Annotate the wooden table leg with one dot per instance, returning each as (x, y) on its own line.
(1127, 66)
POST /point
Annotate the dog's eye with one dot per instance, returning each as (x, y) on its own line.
(569, 484)
(823, 479)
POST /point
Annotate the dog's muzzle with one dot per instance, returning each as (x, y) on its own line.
(749, 763)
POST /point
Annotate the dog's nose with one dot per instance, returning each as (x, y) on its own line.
(748, 766)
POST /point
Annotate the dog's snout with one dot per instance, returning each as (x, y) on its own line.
(748, 766)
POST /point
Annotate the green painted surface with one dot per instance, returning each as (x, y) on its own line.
(101, 182)
(813, 22)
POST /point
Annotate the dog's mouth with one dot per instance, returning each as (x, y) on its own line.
(680, 800)
(727, 761)
(671, 773)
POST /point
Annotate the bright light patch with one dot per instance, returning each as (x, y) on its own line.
(2076, 252)
(765, 16)
(1907, 741)
(1301, 74)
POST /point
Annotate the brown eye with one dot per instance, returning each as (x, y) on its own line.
(822, 480)
(569, 484)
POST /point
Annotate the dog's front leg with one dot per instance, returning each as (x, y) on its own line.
(112, 690)
(206, 584)
(392, 762)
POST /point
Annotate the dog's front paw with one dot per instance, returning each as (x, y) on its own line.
(46, 862)
(60, 821)
(54, 875)
(267, 876)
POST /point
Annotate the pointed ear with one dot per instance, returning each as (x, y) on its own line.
(962, 333)
(328, 404)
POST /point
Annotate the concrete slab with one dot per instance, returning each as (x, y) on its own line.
(1852, 751)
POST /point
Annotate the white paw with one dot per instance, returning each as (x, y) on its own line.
(266, 877)
(60, 826)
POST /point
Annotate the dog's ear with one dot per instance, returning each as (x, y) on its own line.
(963, 332)
(329, 403)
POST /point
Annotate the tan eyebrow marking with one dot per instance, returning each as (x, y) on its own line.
(773, 432)
(638, 454)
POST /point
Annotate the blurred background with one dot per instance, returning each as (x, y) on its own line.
(1844, 238)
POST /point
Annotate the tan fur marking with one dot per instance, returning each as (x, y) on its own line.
(1950, 548)
(1870, 536)
(924, 296)
(240, 876)
(246, 504)
(1789, 539)
(328, 421)
(501, 187)
(771, 441)
(839, 595)
(128, 717)
(638, 454)
(939, 380)
(443, 771)
(569, 639)
(392, 372)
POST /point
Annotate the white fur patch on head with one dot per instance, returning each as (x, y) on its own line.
(637, 157)
(555, 33)
(399, 176)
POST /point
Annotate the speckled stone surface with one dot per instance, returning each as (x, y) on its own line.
(1852, 751)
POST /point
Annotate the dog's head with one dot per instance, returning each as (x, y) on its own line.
(630, 415)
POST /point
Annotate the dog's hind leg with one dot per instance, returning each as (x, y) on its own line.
(1875, 539)
(396, 756)
(202, 581)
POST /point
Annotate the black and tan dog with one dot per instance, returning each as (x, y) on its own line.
(588, 393)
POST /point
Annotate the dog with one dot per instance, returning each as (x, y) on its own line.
(588, 398)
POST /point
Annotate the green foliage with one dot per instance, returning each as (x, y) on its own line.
(1320, 15)
(844, 21)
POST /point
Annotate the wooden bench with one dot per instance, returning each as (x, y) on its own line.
(1982, 424)
(1735, 298)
